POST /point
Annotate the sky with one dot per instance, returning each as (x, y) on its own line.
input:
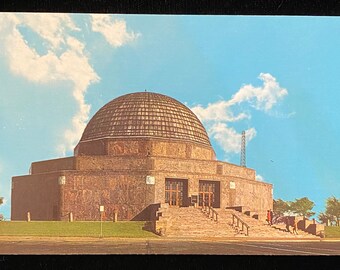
(275, 77)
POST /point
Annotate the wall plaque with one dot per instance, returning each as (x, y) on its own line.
(150, 180)
(232, 185)
(61, 180)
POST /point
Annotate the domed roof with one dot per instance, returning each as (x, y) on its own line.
(146, 114)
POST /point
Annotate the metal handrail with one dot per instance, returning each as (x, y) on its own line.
(211, 212)
(244, 224)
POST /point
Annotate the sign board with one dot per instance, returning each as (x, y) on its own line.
(232, 185)
(150, 180)
(61, 180)
(101, 208)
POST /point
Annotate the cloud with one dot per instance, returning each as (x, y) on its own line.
(51, 27)
(228, 138)
(259, 178)
(65, 59)
(114, 31)
(219, 111)
(219, 116)
(262, 98)
(71, 65)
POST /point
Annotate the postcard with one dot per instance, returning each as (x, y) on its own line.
(168, 134)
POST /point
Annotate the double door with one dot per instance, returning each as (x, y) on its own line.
(209, 193)
(176, 192)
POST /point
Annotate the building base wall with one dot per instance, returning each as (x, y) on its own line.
(119, 183)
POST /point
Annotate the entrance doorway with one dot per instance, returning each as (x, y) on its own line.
(209, 192)
(176, 192)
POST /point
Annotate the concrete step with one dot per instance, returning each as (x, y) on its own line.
(164, 205)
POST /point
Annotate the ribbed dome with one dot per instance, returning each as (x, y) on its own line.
(146, 114)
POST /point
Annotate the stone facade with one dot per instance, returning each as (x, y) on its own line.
(119, 183)
(144, 147)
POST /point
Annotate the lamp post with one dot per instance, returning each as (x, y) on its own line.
(101, 210)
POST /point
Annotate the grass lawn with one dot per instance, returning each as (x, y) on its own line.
(77, 228)
(332, 232)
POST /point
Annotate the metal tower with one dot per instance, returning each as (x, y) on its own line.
(243, 149)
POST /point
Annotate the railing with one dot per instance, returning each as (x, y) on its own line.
(238, 221)
(211, 212)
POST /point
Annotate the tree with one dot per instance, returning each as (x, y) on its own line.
(280, 207)
(302, 207)
(324, 218)
(1, 202)
(333, 209)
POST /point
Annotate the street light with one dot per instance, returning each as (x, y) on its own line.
(101, 210)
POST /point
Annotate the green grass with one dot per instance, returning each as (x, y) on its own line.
(332, 232)
(76, 229)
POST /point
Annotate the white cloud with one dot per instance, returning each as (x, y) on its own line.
(114, 31)
(65, 59)
(219, 115)
(259, 178)
(72, 65)
(228, 138)
(262, 98)
(219, 111)
(50, 26)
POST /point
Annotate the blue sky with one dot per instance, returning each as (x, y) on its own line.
(276, 77)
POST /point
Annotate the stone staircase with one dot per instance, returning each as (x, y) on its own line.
(190, 222)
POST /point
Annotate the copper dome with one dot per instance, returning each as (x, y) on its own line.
(146, 114)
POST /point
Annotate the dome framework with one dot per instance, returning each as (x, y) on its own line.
(146, 114)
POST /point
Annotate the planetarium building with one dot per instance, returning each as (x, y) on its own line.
(138, 150)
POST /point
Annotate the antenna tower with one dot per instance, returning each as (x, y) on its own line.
(243, 149)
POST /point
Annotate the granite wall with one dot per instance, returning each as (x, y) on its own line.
(144, 147)
(117, 180)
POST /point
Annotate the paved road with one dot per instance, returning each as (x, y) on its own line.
(166, 246)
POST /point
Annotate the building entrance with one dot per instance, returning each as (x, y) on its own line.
(209, 192)
(176, 192)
